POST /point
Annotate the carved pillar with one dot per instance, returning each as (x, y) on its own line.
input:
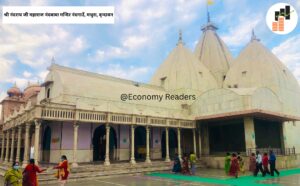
(167, 146)
(3, 145)
(132, 159)
(37, 140)
(19, 144)
(148, 145)
(194, 141)
(179, 142)
(26, 145)
(7, 147)
(12, 147)
(75, 144)
(107, 162)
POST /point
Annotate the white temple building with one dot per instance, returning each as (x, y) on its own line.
(244, 104)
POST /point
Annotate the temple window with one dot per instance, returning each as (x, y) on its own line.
(162, 81)
(201, 74)
(48, 93)
(244, 73)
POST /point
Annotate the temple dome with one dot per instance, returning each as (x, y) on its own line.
(213, 53)
(182, 70)
(31, 89)
(257, 67)
(14, 91)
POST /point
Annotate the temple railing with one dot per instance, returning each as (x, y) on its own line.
(277, 151)
(56, 113)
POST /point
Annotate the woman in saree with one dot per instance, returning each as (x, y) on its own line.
(227, 163)
(185, 165)
(252, 163)
(234, 167)
(176, 165)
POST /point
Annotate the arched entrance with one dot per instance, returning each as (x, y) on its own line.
(140, 143)
(172, 143)
(46, 144)
(99, 143)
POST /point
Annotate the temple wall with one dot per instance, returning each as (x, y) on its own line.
(283, 162)
(291, 135)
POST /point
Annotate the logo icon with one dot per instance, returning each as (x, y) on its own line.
(282, 18)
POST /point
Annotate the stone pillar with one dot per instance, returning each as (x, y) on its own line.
(167, 146)
(106, 162)
(26, 146)
(205, 132)
(179, 142)
(283, 134)
(2, 145)
(132, 159)
(75, 144)
(12, 147)
(194, 141)
(7, 147)
(148, 145)
(249, 133)
(37, 140)
(19, 144)
(200, 141)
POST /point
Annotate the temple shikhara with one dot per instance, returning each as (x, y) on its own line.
(243, 104)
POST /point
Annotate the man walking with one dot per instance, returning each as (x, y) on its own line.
(272, 161)
(259, 164)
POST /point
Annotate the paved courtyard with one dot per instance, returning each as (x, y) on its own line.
(208, 177)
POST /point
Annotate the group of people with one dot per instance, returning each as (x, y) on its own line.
(28, 177)
(261, 163)
(234, 164)
(187, 166)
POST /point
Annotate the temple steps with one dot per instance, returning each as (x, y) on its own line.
(92, 171)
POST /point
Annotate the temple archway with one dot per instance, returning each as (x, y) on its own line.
(140, 143)
(46, 144)
(173, 144)
(99, 143)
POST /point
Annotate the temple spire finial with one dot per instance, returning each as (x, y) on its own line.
(53, 60)
(180, 37)
(253, 36)
(208, 17)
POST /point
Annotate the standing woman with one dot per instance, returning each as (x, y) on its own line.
(176, 165)
(227, 163)
(234, 167)
(13, 177)
(29, 174)
(63, 170)
(252, 163)
(241, 163)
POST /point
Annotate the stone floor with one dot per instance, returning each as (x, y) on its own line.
(204, 177)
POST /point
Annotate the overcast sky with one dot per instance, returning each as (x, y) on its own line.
(145, 31)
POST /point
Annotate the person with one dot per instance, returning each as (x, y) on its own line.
(241, 163)
(29, 174)
(272, 161)
(259, 164)
(265, 163)
(63, 170)
(176, 165)
(185, 165)
(193, 162)
(234, 167)
(252, 163)
(13, 176)
(227, 163)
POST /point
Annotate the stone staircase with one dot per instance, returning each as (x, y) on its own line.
(91, 171)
